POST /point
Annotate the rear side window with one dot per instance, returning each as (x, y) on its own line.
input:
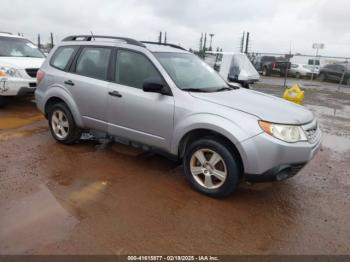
(93, 62)
(62, 56)
(132, 69)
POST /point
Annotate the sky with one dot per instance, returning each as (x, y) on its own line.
(274, 25)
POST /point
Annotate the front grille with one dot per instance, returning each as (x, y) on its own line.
(32, 71)
(312, 132)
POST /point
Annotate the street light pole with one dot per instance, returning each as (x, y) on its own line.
(316, 46)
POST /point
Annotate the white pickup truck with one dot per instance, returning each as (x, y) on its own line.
(20, 60)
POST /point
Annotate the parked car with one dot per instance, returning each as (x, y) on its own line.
(300, 70)
(335, 72)
(268, 65)
(167, 99)
(20, 60)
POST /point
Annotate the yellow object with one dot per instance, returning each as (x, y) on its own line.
(2, 73)
(294, 94)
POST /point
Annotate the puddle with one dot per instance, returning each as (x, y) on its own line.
(7, 135)
(89, 193)
(337, 143)
(16, 122)
(32, 221)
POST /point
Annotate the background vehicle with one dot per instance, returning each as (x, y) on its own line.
(335, 72)
(20, 60)
(268, 65)
(166, 98)
(233, 67)
(300, 70)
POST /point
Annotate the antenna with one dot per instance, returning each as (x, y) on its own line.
(92, 35)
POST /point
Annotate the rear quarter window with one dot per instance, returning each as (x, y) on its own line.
(62, 56)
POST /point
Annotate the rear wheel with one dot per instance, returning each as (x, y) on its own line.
(62, 125)
(211, 168)
(265, 71)
(297, 75)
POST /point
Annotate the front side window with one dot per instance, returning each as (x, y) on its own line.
(191, 73)
(62, 56)
(18, 47)
(93, 62)
(132, 69)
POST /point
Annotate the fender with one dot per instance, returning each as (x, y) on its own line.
(219, 124)
(61, 93)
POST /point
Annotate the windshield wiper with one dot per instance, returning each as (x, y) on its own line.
(196, 90)
(224, 88)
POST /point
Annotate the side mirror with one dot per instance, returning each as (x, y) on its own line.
(153, 84)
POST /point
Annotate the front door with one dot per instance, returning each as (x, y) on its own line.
(132, 113)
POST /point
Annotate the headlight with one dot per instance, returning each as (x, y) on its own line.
(287, 133)
(8, 72)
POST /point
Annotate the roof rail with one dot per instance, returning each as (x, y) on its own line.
(157, 43)
(93, 37)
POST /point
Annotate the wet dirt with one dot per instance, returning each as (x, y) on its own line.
(107, 198)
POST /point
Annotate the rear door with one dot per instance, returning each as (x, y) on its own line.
(132, 113)
(88, 84)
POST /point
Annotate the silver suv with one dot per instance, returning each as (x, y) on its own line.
(167, 99)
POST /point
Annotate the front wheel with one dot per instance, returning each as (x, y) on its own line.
(211, 168)
(62, 125)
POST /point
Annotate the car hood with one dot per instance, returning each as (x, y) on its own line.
(21, 62)
(265, 107)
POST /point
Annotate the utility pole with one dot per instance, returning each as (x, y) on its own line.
(211, 42)
(160, 38)
(200, 43)
(242, 43)
(247, 43)
(51, 39)
(205, 43)
(39, 44)
(165, 38)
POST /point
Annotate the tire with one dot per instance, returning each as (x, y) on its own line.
(264, 71)
(200, 172)
(62, 124)
(297, 75)
(322, 77)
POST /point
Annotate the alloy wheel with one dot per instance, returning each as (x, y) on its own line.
(60, 124)
(208, 168)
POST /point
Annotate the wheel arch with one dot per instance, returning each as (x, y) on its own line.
(194, 134)
(60, 96)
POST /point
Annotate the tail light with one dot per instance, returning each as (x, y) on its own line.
(40, 75)
(273, 65)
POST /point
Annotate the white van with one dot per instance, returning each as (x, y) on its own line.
(20, 60)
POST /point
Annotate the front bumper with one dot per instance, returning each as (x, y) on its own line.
(17, 86)
(278, 173)
(266, 158)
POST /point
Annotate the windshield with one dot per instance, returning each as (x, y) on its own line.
(191, 73)
(18, 47)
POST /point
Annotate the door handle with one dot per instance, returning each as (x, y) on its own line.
(69, 82)
(115, 93)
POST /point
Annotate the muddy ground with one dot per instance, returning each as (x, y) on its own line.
(99, 198)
